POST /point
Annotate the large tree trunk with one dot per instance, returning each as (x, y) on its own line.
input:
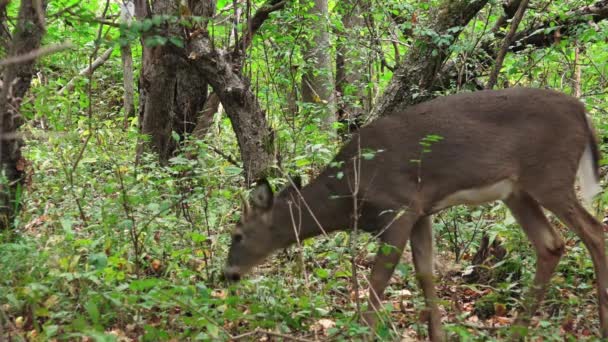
(174, 84)
(15, 83)
(317, 81)
(172, 93)
(417, 75)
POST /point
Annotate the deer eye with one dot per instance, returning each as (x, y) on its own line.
(237, 237)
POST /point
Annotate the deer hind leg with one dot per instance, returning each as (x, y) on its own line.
(395, 236)
(547, 243)
(591, 232)
(422, 252)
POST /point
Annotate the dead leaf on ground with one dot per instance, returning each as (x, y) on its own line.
(323, 325)
(220, 294)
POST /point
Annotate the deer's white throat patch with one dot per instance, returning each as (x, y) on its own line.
(493, 192)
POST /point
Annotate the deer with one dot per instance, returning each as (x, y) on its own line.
(522, 146)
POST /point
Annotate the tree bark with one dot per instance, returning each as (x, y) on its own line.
(317, 81)
(157, 81)
(5, 35)
(15, 83)
(417, 75)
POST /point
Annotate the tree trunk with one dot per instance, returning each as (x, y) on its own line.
(317, 81)
(127, 11)
(248, 120)
(5, 36)
(351, 80)
(15, 83)
(417, 75)
(222, 69)
(205, 120)
(172, 93)
(576, 77)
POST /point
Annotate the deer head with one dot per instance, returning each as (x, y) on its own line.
(260, 230)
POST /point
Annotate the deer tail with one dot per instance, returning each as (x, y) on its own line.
(588, 168)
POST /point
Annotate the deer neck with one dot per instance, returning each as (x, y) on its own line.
(314, 211)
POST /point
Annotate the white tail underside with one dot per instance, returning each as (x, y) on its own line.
(590, 185)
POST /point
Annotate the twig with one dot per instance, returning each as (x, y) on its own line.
(353, 236)
(32, 55)
(225, 156)
(483, 327)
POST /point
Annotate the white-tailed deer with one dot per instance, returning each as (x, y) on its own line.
(521, 146)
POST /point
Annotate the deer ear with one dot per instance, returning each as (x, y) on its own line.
(245, 207)
(293, 183)
(262, 196)
(297, 180)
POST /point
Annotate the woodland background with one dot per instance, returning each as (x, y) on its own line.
(131, 129)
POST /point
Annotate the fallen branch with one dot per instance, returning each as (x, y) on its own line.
(32, 55)
(88, 70)
(271, 333)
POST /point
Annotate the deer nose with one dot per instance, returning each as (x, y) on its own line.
(231, 274)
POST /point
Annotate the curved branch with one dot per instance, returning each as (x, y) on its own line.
(415, 78)
(254, 24)
(544, 34)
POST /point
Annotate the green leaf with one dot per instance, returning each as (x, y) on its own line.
(98, 260)
(144, 284)
(177, 41)
(93, 311)
(322, 273)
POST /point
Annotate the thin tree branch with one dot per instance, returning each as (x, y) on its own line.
(506, 43)
(88, 70)
(32, 55)
(255, 23)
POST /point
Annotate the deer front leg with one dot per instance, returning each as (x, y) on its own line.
(384, 265)
(422, 251)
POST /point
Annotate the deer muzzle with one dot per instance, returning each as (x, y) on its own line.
(232, 274)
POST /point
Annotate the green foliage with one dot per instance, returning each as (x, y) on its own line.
(113, 246)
